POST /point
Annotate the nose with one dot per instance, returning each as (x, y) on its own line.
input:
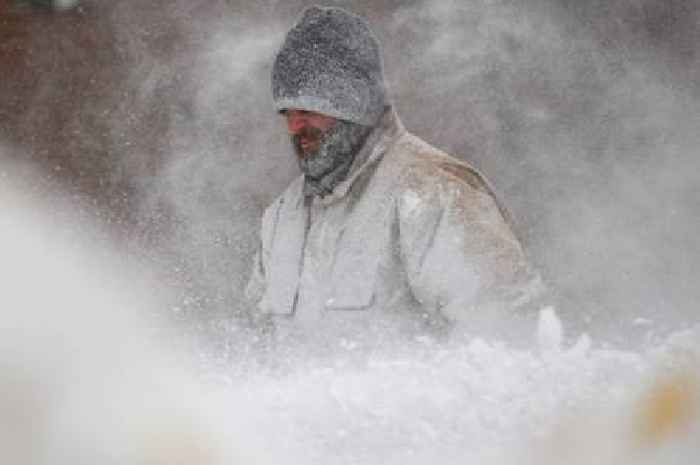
(295, 122)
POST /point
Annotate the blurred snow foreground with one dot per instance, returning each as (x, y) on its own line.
(85, 378)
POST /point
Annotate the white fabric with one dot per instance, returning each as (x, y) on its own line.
(412, 238)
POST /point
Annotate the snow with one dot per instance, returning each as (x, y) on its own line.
(411, 201)
(550, 332)
(78, 361)
(482, 402)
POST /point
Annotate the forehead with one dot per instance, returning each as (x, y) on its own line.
(301, 112)
(309, 117)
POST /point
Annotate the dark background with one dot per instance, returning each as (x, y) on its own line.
(156, 119)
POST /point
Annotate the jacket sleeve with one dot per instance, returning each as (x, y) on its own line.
(460, 255)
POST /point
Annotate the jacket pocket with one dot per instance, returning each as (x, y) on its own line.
(356, 297)
(354, 275)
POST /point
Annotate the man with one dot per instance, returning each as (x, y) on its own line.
(381, 228)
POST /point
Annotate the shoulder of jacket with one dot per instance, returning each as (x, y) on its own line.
(428, 176)
(426, 168)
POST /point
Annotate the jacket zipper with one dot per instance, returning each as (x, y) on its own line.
(307, 227)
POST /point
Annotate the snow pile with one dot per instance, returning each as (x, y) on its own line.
(483, 402)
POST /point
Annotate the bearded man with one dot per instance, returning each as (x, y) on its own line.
(381, 229)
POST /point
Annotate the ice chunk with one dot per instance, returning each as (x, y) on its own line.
(550, 331)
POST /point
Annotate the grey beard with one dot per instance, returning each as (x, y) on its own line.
(331, 163)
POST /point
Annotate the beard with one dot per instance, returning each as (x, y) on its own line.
(330, 163)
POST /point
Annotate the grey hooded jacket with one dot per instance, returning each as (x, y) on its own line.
(412, 239)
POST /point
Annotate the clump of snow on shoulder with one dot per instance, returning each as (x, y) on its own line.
(411, 203)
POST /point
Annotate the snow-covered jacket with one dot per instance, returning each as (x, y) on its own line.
(412, 238)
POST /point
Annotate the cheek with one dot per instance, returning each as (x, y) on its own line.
(292, 126)
(327, 125)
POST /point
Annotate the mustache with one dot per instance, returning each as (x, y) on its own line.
(308, 133)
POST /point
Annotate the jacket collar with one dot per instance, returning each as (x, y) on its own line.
(388, 130)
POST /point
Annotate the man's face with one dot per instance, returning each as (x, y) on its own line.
(307, 130)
